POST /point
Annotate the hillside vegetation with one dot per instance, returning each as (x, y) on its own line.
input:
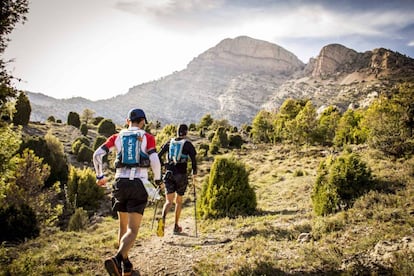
(371, 233)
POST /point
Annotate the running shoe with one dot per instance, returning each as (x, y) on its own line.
(177, 229)
(127, 268)
(160, 228)
(113, 266)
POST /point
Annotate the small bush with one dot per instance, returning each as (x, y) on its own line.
(79, 220)
(83, 140)
(298, 173)
(82, 190)
(339, 181)
(85, 154)
(227, 192)
(18, 223)
(235, 141)
(97, 120)
(98, 142)
(74, 119)
(106, 127)
(84, 129)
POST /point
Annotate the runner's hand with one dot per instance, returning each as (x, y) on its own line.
(102, 182)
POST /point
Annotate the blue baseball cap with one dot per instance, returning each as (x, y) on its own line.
(136, 113)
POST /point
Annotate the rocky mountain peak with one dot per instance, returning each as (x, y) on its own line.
(236, 78)
(245, 54)
(332, 58)
(386, 61)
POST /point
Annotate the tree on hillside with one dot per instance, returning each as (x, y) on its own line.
(87, 116)
(390, 122)
(285, 116)
(304, 127)
(205, 122)
(167, 132)
(12, 12)
(21, 116)
(25, 194)
(349, 129)
(262, 127)
(74, 119)
(327, 124)
(50, 149)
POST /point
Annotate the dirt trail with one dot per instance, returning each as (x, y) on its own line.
(172, 254)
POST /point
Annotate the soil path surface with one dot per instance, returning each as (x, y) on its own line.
(172, 254)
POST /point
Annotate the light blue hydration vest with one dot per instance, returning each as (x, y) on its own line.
(131, 154)
(175, 152)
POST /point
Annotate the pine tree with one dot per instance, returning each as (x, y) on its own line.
(21, 116)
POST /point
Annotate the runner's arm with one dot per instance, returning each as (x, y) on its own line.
(155, 165)
(192, 153)
(97, 160)
(100, 153)
(164, 149)
(153, 156)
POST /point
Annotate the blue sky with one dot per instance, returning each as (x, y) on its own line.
(98, 49)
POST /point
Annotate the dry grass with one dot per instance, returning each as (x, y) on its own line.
(263, 244)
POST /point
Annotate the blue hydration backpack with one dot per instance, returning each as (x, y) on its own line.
(175, 152)
(131, 154)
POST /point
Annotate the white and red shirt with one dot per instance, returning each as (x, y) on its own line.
(148, 146)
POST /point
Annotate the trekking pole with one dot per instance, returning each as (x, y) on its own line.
(155, 213)
(155, 209)
(195, 206)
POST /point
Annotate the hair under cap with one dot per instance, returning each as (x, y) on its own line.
(182, 130)
(136, 113)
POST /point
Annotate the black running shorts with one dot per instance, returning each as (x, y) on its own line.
(129, 196)
(177, 184)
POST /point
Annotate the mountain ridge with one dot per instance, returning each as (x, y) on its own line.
(236, 78)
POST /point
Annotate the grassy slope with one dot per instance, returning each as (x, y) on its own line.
(264, 244)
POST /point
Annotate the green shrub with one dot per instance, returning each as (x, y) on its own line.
(79, 220)
(82, 190)
(339, 181)
(98, 142)
(76, 146)
(106, 127)
(97, 120)
(227, 192)
(166, 134)
(57, 160)
(85, 154)
(390, 122)
(83, 140)
(18, 223)
(235, 141)
(51, 119)
(51, 150)
(205, 122)
(21, 116)
(213, 148)
(221, 136)
(74, 119)
(84, 129)
(203, 150)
